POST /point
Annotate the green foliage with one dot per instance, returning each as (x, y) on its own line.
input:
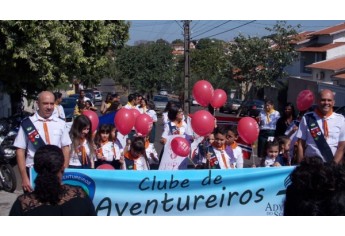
(39, 55)
(261, 61)
(146, 67)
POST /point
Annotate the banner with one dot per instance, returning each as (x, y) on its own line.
(237, 192)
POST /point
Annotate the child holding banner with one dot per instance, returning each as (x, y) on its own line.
(272, 152)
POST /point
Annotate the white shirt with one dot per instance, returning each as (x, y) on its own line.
(271, 124)
(167, 132)
(140, 164)
(77, 156)
(269, 162)
(59, 111)
(336, 133)
(58, 135)
(151, 149)
(108, 151)
(238, 154)
(220, 159)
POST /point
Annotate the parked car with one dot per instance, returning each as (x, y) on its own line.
(252, 108)
(68, 104)
(231, 106)
(160, 102)
(340, 110)
(97, 96)
(163, 92)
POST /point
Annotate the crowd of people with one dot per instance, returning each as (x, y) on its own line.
(283, 139)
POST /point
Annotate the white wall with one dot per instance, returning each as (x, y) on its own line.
(335, 52)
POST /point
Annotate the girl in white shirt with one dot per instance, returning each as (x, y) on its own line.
(105, 146)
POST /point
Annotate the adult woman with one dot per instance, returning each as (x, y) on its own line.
(267, 120)
(51, 197)
(106, 103)
(285, 121)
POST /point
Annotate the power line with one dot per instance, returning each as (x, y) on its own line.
(211, 29)
(232, 28)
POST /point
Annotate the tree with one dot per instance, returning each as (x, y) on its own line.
(40, 55)
(260, 62)
(209, 61)
(146, 67)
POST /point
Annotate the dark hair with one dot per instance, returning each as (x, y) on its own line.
(289, 104)
(169, 105)
(131, 97)
(270, 102)
(109, 97)
(273, 143)
(220, 130)
(172, 113)
(315, 188)
(138, 144)
(57, 95)
(151, 105)
(48, 162)
(233, 129)
(89, 102)
(113, 106)
(79, 123)
(103, 128)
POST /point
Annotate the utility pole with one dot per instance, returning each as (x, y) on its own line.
(186, 28)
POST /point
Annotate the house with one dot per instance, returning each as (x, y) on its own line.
(320, 63)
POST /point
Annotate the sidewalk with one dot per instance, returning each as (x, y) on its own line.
(6, 201)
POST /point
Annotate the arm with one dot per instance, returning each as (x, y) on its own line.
(300, 150)
(339, 154)
(66, 154)
(22, 170)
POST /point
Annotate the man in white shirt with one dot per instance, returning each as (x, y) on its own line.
(43, 127)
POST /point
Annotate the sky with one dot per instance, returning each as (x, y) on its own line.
(226, 30)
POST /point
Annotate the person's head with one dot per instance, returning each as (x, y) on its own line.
(81, 94)
(269, 105)
(138, 99)
(116, 97)
(88, 104)
(272, 149)
(284, 144)
(132, 99)
(219, 136)
(325, 101)
(81, 106)
(232, 135)
(137, 147)
(103, 134)
(289, 110)
(81, 127)
(169, 105)
(57, 97)
(175, 114)
(151, 105)
(315, 188)
(143, 102)
(114, 106)
(49, 165)
(45, 102)
(108, 98)
(210, 138)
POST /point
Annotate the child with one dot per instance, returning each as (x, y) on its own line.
(118, 149)
(151, 153)
(135, 157)
(82, 147)
(218, 155)
(284, 149)
(105, 146)
(232, 136)
(199, 154)
(272, 152)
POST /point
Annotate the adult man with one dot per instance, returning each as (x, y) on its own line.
(40, 129)
(320, 131)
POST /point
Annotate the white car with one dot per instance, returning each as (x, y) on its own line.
(163, 92)
(97, 96)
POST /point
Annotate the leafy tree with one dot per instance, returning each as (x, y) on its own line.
(146, 67)
(260, 62)
(39, 55)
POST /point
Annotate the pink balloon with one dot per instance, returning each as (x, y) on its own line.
(93, 117)
(248, 129)
(203, 122)
(136, 113)
(219, 98)
(124, 120)
(203, 92)
(143, 124)
(180, 146)
(105, 167)
(304, 100)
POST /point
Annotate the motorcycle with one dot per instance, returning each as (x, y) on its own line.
(8, 180)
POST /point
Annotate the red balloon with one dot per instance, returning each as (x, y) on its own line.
(105, 167)
(136, 113)
(203, 122)
(93, 117)
(124, 120)
(248, 129)
(203, 92)
(143, 124)
(219, 98)
(304, 100)
(180, 146)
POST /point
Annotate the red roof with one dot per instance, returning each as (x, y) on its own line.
(339, 76)
(301, 37)
(320, 47)
(334, 64)
(331, 30)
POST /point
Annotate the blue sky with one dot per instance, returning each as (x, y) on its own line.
(170, 30)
